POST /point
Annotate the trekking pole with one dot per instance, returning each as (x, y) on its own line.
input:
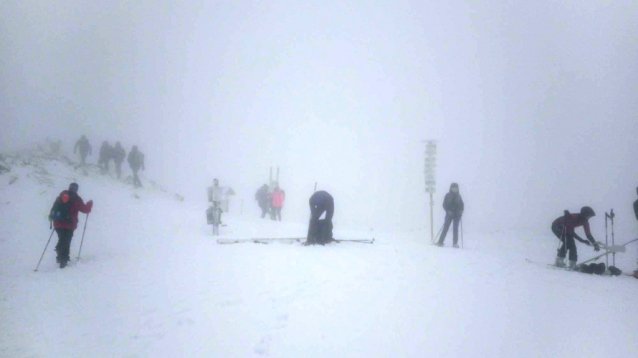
(437, 235)
(461, 233)
(611, 214)
(45, 250)
(83, 231)
(606, 238)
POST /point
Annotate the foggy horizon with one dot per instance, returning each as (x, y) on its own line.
(532, 106)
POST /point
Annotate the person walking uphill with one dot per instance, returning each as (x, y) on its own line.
(320, 231)
(136, 161)
(64, 215)
(563, 228)
(118, 157)
(278, 198)
(454, 206)
(85, 148)
(106, 153)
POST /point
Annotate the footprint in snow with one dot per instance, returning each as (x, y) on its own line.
(263, 346)
(282, 321)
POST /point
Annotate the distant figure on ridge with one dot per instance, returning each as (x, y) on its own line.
(106, 153)
(85, 148)
(118, 157)
(262, 199)
(278, 198)
(136, 161)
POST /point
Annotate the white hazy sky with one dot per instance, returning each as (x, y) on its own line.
(533, 104)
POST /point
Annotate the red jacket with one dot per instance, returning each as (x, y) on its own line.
(76, 205)
(278, 198)
(572, 222)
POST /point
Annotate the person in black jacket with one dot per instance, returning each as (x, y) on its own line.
(118, 157)
(136, 161)
(106, 154)
(320, 231)
(262, 199)
(454, 206)
(85, 148)
(636, 206)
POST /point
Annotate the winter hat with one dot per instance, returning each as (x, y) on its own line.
(74, 187)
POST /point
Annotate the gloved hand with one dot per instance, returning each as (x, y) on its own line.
(596, 247)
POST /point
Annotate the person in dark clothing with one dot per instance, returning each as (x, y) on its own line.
(320, 230)
(106, 153)
(85, 148)
(136, 161)
(636, 206)
(563, 228)
(65, 227)
(118, 157)
(454, 206)
(262, 199)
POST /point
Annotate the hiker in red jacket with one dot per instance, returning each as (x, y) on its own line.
(278, 198)
(563, 228)
(64, 215)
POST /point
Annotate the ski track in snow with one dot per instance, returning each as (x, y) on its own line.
(152, 282)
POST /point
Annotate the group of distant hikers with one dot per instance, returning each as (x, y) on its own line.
(64, 215)
(117, 154)
(270, 202)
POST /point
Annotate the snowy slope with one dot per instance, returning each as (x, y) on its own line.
(152, 282)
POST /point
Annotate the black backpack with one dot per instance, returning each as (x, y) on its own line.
(61, 210)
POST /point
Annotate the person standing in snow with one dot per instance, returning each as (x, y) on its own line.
(136, 161)
(262, 199)
(563, 228)
(320, 230)
(118, 157)
(278, 198)
(636, 206)
(85, 148)
(106, 153)
(64, 215)
(454, 207)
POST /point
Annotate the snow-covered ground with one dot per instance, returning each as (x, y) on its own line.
(153, 282)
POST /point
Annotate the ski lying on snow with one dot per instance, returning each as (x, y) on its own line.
(259, 241)
(552, 266)
(286, 240)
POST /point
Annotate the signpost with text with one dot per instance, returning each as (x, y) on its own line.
(430, 179)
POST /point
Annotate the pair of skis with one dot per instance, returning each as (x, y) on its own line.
(291, 240)
(609, 249)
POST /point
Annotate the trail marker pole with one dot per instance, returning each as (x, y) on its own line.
(430, 179)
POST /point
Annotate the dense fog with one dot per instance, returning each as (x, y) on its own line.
(533, 104)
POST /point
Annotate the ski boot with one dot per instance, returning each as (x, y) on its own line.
(439, 244)
(560, 262)
(572, 264)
